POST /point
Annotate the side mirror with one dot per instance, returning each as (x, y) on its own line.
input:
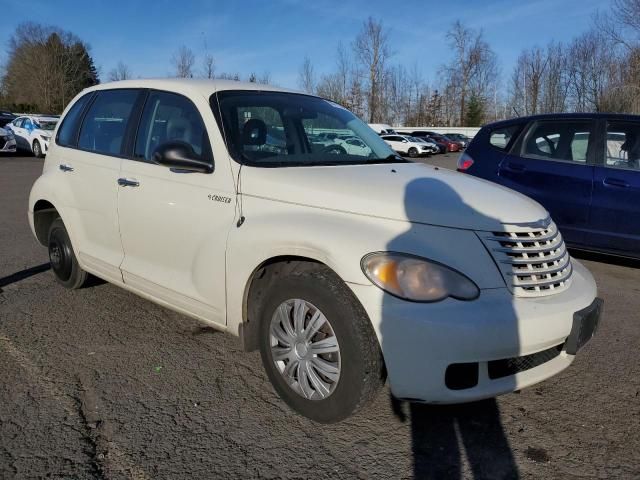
(180, 156)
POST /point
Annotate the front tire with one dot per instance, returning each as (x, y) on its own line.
(317, 345)
(413, 152)
(37, 149)
(63, 261)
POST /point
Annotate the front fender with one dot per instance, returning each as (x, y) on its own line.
(340, 240)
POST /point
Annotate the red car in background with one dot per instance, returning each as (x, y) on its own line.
(448, 144)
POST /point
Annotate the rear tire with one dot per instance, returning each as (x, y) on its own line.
(63, 261)
(352, 372)
(37, 149)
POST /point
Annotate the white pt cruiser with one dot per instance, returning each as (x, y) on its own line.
(215, 199)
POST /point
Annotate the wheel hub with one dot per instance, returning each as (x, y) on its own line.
(55, 255)
(305, 349)
(301, 349)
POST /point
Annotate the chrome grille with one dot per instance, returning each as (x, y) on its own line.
(533, 260)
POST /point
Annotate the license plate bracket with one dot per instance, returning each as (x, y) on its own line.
(585, 325)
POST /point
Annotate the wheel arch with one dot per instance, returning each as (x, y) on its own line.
(259, 280)
(44, 213)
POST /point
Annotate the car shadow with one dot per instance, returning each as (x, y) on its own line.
(442, 434)
(21, 275)
(604, 258)
(423, 349)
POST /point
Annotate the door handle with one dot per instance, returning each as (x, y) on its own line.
(515, 167)
(126, 182)
(615, 182)
(65, 167)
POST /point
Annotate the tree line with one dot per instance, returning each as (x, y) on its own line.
(599, 70)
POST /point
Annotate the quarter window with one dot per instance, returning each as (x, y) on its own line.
(105, 123)
(566, 141)
(501, 137)
(170, 117)
(68, 132)
(623, 145)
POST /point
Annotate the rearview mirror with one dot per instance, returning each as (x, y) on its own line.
(180, 156)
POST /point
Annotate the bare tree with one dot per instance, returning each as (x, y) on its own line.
(591, 65)
(371, 48)
(265, 78)
(528, 78)
(120, 72)
(473, 67)
(208, 66)
(306, 76)
(183, 61)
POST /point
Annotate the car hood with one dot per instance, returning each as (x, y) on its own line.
(411, 192)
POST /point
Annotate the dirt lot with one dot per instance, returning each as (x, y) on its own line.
(99, 383)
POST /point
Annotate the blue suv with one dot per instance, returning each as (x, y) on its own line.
(583, 168)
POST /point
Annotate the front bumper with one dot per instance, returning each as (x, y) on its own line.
(7, 145)
(421, 341)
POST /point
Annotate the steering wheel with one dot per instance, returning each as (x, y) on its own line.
(334, 150)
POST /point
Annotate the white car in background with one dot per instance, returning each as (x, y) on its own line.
(432, 146)
(406, 146)
(7, 141)
(382, 129)
(33, 132)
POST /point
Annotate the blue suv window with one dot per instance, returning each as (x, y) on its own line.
(561, 140)
(501, 137)
(623, 145)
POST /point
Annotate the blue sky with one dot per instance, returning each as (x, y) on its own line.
(274, 35)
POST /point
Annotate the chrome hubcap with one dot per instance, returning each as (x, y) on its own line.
(305, 349)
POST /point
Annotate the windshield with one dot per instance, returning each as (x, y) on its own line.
(46, 125)
(273, 129)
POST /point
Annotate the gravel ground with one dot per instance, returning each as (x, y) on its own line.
(99, 383)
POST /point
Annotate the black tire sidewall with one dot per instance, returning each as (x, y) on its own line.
(37, 150)
(315, 289)
(413, 152)
(77, 276)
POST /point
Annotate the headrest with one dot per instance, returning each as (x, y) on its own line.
(629, 142)
(254, 132)
(179, 128)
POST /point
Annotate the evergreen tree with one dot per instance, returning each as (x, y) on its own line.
(475, 112)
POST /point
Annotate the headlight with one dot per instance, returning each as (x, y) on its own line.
(416, 279)
(45, 138)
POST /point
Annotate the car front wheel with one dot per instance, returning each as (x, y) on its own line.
(37, 149)
(318, 346)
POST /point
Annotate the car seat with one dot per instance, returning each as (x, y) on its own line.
(631, 146)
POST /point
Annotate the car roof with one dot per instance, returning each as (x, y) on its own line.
(46, 118)
(563, 116)
(193, 86)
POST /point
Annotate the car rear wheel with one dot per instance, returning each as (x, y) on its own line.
(63, 261)
(37, 149)
(317, 345)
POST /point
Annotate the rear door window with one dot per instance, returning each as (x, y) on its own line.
(567, 140)
(106, 120)
(622, 147)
